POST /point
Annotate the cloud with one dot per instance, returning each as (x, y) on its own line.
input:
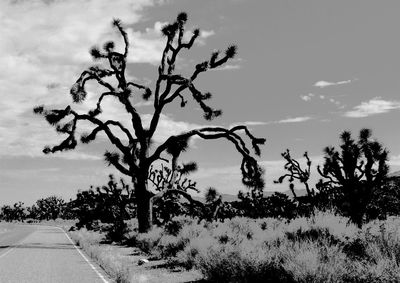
(44, 53)
(394, 160)
(227, 68)
(235, 65)
(283, 121)
(323, 84)
(310, 96)
(294, 120)
(206, 33)
(372, 107)
(249, 123)
(307, 97)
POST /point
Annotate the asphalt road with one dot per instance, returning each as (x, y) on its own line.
(43, 254)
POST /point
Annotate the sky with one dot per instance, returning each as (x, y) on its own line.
(305, 71)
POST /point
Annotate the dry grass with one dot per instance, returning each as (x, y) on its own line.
(121, 262)
(323, 248)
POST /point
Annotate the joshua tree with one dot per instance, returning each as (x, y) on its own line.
(295, 172)
(170, 186)
(50, 207)
(110, 204)
(134, 155)
(354, 172)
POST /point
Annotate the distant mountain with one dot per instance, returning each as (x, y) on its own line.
(394, 174)
(230, 197)
(299, 193)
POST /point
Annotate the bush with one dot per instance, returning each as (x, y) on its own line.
(175, 224)
(169, 246)
(116, 231)
(147, 241)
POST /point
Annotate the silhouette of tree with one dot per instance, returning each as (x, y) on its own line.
(49, 208)
(314, 198)
(385, 200)
(279, 205)
(171, 188)
(296, 172)
(252, 204)
(16, 212)
(110, 204)
(134, 155)
(354, 172)
(170, 185)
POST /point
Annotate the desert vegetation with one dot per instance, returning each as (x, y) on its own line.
(345, 228)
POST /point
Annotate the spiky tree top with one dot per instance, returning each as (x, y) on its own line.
(359, 161)
(296, 172)
(133, 152)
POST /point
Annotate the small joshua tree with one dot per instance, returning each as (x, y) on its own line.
(170, 186)
(50, 207)
(134, 155)
(296, 172)
(110, 204)
(354, 173)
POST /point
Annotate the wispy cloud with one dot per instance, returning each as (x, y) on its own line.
(323, 84)
(235, 65)
(307, 97)
(311, 96)
(394, 160)
(283, 121)
(248, 123)
(227, 67)
(374, 106)
(294, 120)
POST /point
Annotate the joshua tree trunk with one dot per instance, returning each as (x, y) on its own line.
(144, 213)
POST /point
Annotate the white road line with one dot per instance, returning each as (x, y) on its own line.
(84, 257)
(12, 248)
(7, 252)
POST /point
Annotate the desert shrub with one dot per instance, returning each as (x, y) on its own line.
(236, 230)
(338, 226)
(383, 239)
(188, 256)
(116, 231)
(243, 262)
(175, 224)
(131, 225)
(84, 236)
(169, 246)
(131, 238)
(356, 249)
(322, 227)
(311, 262)
(381, 271)
(269, 223)
(147, 241)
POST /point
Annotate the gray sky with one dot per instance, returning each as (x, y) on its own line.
(305, 71)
